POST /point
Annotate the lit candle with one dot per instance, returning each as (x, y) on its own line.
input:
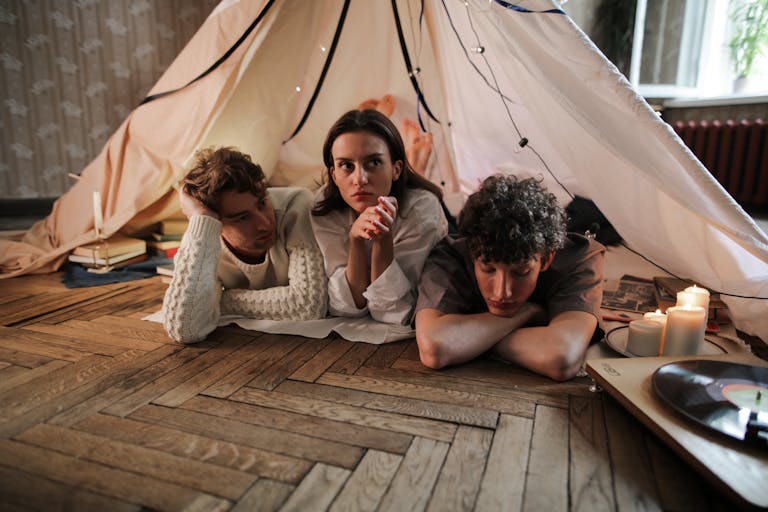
(685, 330)
(661, 318)
(694, 296)
(98, 220)
(644, 337)
(656, 316)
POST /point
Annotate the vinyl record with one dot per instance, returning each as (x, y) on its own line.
(730, 398)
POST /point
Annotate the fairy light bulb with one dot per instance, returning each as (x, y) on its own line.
(298, 88)
(521, 144)
(478, 49)
(414, 72)
(322, 49)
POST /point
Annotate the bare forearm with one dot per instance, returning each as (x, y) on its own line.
(382, 254)
(357, 271)
(556, 350)
(452, 339)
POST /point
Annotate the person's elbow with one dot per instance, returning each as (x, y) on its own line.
(563, 368)
(432, 352)
(569, 336)
(185, 337)
(565, 363)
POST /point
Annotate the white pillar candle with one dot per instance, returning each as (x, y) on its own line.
(661, 318)
(656, 316)
(98, 219)
(694, 296)
(644, 337)
(685, 330)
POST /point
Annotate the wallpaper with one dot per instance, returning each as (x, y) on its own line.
(72, 70)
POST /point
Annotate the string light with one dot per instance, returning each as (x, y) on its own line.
(298, 88)
(523, 142)
(414, 72)
(322, 49)
(478, 49)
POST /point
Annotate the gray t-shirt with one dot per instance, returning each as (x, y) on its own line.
(572, 283)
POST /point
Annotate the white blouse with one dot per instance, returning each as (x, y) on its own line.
(419, 225)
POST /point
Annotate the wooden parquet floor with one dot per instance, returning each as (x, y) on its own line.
(99, 410)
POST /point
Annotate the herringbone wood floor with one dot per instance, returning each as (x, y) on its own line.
(99, 410)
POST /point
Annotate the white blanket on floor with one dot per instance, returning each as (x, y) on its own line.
(363, 329)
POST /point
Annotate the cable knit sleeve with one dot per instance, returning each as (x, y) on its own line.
(303, 299)
(191, 303)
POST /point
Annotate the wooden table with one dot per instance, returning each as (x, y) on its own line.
(100, 410)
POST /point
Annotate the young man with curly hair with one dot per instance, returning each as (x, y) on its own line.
(248, 250)
(513, 282)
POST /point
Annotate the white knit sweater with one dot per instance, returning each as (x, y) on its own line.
(210, 281)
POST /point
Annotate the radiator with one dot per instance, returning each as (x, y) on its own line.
(735, 152)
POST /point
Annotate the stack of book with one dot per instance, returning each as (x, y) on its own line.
(114, 252)
(166, 240)
(165, 272)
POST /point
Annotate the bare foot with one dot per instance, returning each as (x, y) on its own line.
(410, 130)
(418, 146)
(385, 105)
(369, 104)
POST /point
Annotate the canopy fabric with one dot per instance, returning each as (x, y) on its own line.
(490, 76)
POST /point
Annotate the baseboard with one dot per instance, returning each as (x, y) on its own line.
(26, 207)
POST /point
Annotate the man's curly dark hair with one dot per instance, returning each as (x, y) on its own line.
(510, 220)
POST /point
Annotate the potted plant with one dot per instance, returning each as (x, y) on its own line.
(750, 22)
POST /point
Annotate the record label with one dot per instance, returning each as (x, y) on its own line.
(730, 398)
(754, 398)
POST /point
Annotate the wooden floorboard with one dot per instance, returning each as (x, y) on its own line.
(100, 410)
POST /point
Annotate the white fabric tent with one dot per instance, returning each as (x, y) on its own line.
(489, 75)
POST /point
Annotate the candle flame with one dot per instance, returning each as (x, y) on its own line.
(658, 311)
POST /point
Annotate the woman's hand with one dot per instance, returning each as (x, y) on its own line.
(191, 206)
(375, 221)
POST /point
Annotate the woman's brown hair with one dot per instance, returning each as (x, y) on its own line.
(371, 121)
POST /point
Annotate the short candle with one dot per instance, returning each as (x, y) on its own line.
(656, 316)
(98, 219)
(685, 330)
(661, 318)
(644, 337)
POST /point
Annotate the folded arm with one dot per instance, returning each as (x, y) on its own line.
(555, 350)
(448, 339)
(304, 298)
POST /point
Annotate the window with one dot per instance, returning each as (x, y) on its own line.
(680, 50)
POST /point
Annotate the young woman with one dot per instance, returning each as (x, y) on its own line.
(249, 250)
(375, 219)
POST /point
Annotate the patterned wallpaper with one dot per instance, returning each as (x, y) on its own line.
(72, 70)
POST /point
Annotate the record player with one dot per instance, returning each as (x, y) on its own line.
(711, 410)
(728, 397)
